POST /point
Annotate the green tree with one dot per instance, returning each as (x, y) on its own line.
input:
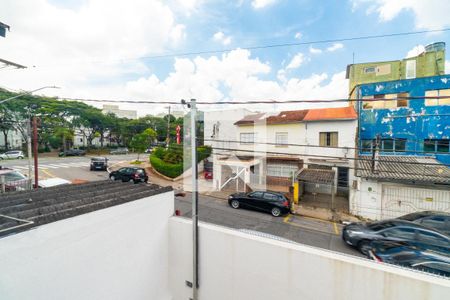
(139, 143)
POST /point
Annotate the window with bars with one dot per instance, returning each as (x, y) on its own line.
(437, 101)
(281, 170)
(436, 145)
(247, 137)
(281, 139)
(328, 139)
(398, 100)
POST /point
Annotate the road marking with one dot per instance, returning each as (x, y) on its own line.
(287, 218)
(20, 167)
(335, 228)
(48, 173)
(47, 167)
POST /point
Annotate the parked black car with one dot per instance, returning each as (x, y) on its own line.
(424, 259)
(99, 163)
(129, 173)
(73, 152)
(274, 202)
(361, 235)
(435, 219)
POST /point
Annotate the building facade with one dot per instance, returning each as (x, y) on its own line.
(429, 63)
(121, 113)
(270, 150)
(419, 126)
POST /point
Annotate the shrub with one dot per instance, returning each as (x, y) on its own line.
(159, 152)
(167, 169)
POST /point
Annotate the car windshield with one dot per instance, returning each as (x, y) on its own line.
(13, 176)
(101, 159)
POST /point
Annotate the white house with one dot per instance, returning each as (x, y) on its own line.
(270, 150)
(398, 185)
(14, 138)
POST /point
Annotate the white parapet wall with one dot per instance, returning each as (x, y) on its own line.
(120, 252)
(239, 266)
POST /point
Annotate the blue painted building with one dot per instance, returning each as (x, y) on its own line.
(406, 127)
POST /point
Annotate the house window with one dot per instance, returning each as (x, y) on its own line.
(281, 170)
(247, 138)
(398, 101)
(281, 139)
(328, 139)
(437, 101)
(369, 70)
(386, 145)
(410, 69)
(435, 145)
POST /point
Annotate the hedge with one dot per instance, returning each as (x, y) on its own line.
(160, 155)
(169, 170)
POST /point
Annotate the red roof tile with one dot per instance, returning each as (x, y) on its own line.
(335, 113)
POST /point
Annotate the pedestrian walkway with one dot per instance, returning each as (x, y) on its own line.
(46, 166)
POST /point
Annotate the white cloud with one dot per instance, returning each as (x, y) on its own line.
(222, 38)
(178, 33)
(335, 46)
(235, 76)
(429, 14)
(262, 3)
(415, 51)
(313, 50)
(296, 61)
(298, 35)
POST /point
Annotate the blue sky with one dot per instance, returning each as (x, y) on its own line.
(91, 48)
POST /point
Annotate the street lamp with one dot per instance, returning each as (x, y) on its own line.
(30, 171)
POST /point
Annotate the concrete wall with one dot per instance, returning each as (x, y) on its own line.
(239, 266)
(383, 200)
(119, 252)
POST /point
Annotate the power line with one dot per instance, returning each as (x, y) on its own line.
(365, 169)
(329, 147)
(269, 101)
(270, 46)
(323, 156)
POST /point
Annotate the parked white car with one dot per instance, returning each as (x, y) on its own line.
(12, 154)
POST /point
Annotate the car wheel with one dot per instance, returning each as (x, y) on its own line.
(364, 247)
(112, 177)
(276, 212)
(235, 204)
(20, 157)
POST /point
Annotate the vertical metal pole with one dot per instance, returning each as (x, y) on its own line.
(35, 153)
(168, 129)
(30, 163)
(194, 200)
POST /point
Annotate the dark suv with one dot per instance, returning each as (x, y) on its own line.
(273, 202)
(99, 163)
(129, 173)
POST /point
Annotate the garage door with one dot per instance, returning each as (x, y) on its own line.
(401, 200)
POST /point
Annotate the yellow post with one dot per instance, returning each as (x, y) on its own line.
(296, 192)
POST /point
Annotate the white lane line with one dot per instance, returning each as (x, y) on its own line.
(47, 167)
(56, 166)
(20, 167)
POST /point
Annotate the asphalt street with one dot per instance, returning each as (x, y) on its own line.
(304, 230)
(70, 168)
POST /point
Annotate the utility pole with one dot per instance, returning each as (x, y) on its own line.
(375, 154)
(194, 199)
(35, 152)
(30, 169)
(168, 129)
